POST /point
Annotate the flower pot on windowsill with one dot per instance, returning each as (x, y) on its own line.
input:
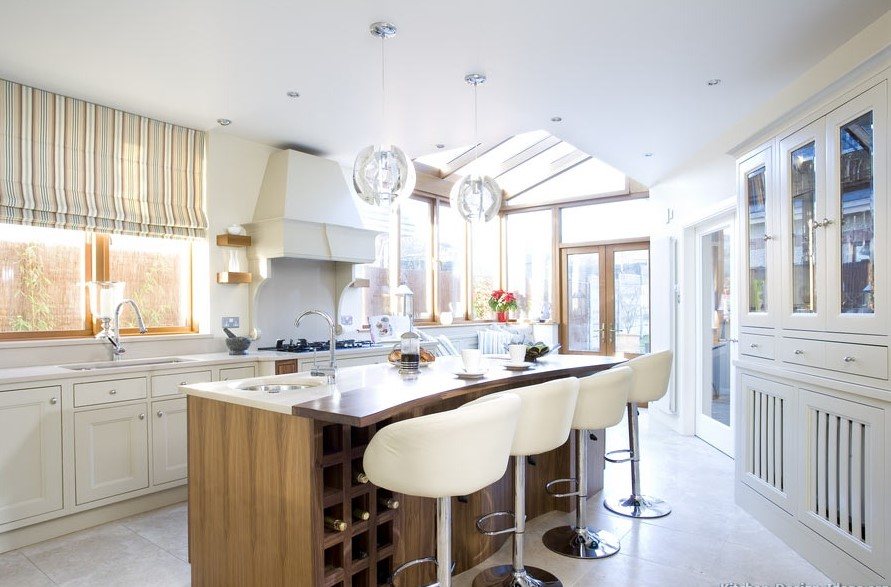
(501, 316)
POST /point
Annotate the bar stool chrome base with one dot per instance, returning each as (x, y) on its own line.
(584, 543)
(506, 576)
(640, 506)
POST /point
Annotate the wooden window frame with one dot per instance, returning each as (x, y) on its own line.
(96, 253)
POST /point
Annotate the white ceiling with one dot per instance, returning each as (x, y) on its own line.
(627, 77)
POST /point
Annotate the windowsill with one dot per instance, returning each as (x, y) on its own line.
(89, 340)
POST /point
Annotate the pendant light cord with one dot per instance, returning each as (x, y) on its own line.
(383, 89)
(476, 118)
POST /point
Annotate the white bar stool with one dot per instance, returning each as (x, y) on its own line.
(441, 456)
(544, 424)
(601, 404)
(650, 382)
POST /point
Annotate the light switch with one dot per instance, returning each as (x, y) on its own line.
(231, 321)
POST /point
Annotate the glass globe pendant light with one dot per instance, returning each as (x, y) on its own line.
(383, 174)
(476, 197)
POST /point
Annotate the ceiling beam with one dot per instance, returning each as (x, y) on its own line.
(525, 155)
(434, 186)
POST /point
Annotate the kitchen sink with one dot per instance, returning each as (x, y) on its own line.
(276, 387)
(124, 363)
(273, 386)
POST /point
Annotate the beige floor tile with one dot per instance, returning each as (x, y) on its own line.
(17, 571)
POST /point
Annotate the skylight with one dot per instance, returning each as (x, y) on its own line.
(532, 168)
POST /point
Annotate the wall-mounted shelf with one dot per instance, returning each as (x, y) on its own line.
(234, 277)
(233, 240)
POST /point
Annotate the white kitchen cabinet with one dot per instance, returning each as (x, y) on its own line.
(232, 373)
(166, 385)
(30, 453)
(833, 181)
(843, 490)
(110, 451)
(759, 217)
(169, 441)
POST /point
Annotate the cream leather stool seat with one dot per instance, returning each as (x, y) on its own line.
(544, 423)
(601, 404)
(441, 456)
(649, 383)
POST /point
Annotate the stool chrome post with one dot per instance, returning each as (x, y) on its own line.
(636, 505)
(444, 541)
(517, 574)
(580, 541)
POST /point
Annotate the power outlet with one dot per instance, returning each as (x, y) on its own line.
(231, 321)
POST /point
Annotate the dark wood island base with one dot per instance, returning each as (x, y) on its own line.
(261, 484)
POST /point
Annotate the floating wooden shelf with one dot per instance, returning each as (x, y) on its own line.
(234, 277)
(233, 240)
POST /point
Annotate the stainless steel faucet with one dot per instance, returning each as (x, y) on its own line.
(330, 371)
(113, 335)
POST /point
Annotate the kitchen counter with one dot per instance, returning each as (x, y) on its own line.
(266, 470)
(365, 395)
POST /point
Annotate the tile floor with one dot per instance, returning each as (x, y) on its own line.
(706, 540)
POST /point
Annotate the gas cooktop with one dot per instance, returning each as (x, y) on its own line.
(302, 346)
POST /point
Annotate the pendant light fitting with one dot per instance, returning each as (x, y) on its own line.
(476, 197)
(382, 173)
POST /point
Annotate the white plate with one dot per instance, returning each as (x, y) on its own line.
(474, 375)
(518, 366)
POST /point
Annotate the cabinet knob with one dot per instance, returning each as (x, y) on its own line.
(799, 352)
(182, 383)
(849, 359)
(54, 401)
(142, 416)
(767, 237)
(753, 345)
(113, 392)
(826, 222)
(160, 414)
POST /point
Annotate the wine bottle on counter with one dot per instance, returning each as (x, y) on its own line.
(359, 477)
(335, 524)
(391, 503)
(361, 514)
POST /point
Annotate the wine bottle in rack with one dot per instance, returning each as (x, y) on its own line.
(359, 477)
(335, 524)
(361, 514)
(390, 503)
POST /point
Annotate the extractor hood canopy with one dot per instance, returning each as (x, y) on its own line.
(306, 210)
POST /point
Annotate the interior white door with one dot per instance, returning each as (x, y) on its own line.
(30, 453)
(716, 331)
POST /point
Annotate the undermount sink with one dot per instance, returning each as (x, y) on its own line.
(124, 363)
(276, 387)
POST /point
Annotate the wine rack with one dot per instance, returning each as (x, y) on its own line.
(362, 554)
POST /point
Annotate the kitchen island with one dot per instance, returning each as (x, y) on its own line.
(267, 469)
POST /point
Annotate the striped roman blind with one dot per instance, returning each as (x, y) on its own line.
(66, 163)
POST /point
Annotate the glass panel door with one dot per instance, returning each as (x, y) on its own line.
(715, 328)
(606, 299)
(804, 255)
(756, 196)
(584, 323)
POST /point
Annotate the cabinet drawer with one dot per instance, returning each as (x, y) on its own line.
(857, 359)
(801, 351)
(231, 373)
(105, 392)
(757, 345)
(169, 384)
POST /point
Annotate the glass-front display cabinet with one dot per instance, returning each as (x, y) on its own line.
(856, 202)
(759, 211)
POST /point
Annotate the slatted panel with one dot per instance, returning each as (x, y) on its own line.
(838, 475)
(765, 458)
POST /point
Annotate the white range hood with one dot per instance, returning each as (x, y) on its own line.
(306, 210)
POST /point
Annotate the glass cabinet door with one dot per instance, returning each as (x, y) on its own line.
(756, 190)
(856, 234)
(802, 157)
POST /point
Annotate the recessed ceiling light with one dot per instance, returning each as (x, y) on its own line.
(648, 154)
(440, 146)
(293, 94)
(224, 121)
(556, 119)
(713, 82)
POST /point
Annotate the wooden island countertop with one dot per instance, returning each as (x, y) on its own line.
(267, 469)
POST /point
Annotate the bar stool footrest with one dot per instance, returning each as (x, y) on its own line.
(391, 580)
(549, 490)
(607, 457)
(483, 519)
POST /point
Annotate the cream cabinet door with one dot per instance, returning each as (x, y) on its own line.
(30, 453)
(169, 441)
(110, 452)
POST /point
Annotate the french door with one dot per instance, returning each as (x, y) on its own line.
(605, 292)
(716, 331)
